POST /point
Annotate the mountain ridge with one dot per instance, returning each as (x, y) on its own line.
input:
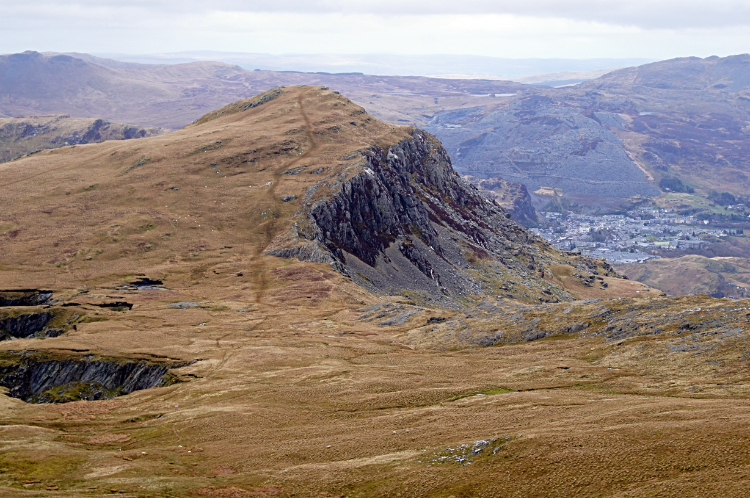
(172, 96)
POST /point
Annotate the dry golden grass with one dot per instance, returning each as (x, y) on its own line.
(292, 394)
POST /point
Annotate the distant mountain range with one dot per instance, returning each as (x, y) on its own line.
(467, 66)
(613, 137)
(618, 135)
(174, 95)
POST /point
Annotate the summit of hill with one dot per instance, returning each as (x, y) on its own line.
(297, 172)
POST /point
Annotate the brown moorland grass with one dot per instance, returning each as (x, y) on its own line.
(292, 395)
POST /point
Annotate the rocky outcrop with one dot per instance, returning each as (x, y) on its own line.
(37, 378)
(511, 196)
(24, 297)
(694, 323)
(404, 222)
(35, 322)
(26, 325)
(27, 135)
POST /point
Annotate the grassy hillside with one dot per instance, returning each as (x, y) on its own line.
(694, 274)
(287, 376)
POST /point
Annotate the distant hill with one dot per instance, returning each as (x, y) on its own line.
(617, 135)
(686, 118)
(541, 142)
(172, 96)
(718, 277)
(166, 96)
(727, 74)
(21, 136)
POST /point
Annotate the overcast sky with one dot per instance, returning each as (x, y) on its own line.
(654, 29)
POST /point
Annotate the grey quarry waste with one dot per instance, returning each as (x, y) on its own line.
(28, 325)
(24, 297)
(41, 378)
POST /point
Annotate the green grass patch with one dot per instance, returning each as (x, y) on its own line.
(75, 391)
(41, 465)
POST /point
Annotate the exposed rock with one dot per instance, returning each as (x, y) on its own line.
(24, 297)
(38, 378)
(26, 323)
(403, 222)
(541, 142)
(184, 305)
(395, 314)
(715, 322)
(511, 196)
(27, 135)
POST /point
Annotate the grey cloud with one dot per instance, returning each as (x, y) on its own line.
(648, 14)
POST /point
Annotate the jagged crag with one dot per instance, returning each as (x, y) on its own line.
(406, 222)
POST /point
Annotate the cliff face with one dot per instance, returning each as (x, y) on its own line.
(405, 222)
(511, 196)
(25, 325)
(46, 380)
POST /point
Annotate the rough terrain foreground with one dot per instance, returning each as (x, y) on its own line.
(138, 276)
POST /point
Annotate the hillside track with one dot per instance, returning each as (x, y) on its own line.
(270, 226)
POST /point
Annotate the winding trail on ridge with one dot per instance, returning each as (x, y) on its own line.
(271, 224)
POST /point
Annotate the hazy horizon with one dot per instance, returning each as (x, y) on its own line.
(388, 64)
(572, 29)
